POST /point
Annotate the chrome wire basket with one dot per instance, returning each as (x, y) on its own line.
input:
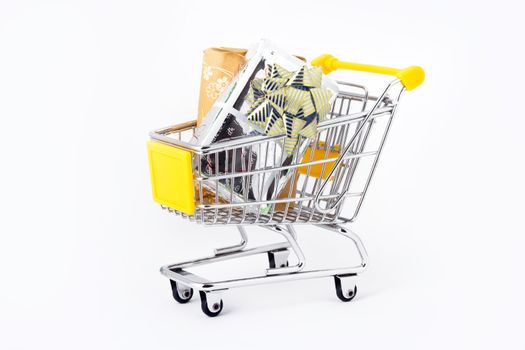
(329, 172)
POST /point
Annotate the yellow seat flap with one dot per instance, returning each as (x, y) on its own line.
(171, 177)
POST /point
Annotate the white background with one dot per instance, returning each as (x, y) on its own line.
(81, 241)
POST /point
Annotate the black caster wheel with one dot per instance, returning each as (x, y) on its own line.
(182, 295)
(210, 310)
(274, 257)
(344, 295)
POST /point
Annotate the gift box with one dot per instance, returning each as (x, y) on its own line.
(219, 66)
(274, 94)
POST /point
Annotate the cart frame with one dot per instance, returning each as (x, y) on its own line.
(345, 132)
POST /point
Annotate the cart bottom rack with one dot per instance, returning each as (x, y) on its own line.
(183, 282)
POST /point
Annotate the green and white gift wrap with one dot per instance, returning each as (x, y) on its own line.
(273, 94)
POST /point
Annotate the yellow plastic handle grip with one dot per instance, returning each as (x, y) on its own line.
(410, 77)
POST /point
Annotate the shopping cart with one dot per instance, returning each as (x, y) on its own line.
(335, 169)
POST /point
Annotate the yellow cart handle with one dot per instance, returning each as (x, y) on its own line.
(410, 77)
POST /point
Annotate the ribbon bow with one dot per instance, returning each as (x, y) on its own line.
(290, 103)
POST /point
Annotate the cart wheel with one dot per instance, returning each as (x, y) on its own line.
(181, 293)
(345, 294)
(278, 258)
(210, 307)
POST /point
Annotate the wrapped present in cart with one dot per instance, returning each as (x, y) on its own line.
(282, 146)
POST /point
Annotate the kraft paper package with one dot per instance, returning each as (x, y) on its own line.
(274, 94)
(219, 66)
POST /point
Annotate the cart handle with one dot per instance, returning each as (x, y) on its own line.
(410, 77)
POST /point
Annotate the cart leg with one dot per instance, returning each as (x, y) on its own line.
(346, 232)
(290, 234)
(237, 247)
(345, 284)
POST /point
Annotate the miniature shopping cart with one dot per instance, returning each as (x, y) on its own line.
(335, 169)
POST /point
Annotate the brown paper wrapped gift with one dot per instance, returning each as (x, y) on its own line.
(219, 67)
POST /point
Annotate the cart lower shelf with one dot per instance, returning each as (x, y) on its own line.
(183, 283)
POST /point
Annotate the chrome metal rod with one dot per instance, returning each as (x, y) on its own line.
(161, 134)
(237, 247)
(227, 256)
(346, 232)
(343, 155)
(187, 279)
(284, 167)
(274, 201)
(376, 160)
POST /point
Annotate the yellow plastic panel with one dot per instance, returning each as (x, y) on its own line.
(315, 170)
(171, 177)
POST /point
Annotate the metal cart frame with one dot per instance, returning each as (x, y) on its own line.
(351, 132)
